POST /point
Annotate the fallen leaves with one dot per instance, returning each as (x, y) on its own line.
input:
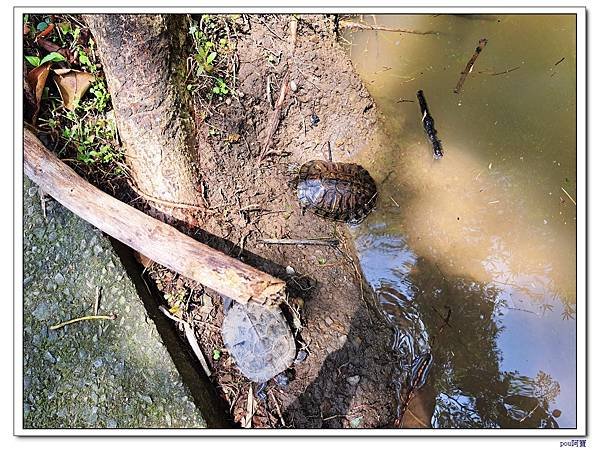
(72, 85)
(36, 80)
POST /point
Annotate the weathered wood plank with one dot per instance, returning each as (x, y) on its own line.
(154, 239)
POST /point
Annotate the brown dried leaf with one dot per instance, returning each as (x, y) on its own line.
(36, 79)
(72, 85)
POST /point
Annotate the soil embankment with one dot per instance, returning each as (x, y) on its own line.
(346, 380)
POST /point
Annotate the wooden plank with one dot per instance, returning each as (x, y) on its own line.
(156, 240)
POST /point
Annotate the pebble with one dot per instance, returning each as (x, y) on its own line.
(41, 312)
(329, 321)
(290, 270)
(353, 380)
(49, 357)
(59, 278)
(111, 423)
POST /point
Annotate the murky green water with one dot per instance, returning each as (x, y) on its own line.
(473, 256)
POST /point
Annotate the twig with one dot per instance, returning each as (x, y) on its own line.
(493, 74)
(247, 422)
(43, 202)
(293, 35)
(97, 303)
(79, 319)
(325, 241)
(275, 118)
(570, 198)
(269, 96)
(469, 66)
(277, 408)
(189, 334)
(559, 61)
(364, 26)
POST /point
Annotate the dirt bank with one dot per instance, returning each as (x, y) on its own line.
(346, 379)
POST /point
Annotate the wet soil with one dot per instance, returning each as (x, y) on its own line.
(346, 380)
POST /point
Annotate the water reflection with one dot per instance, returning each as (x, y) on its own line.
(473, 257)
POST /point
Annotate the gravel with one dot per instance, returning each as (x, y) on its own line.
(93, 373)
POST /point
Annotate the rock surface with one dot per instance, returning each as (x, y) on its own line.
(94, 373)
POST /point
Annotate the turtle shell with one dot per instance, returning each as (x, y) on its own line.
(259, 339)
(338, 191)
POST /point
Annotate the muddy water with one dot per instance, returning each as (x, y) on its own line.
(472, 256)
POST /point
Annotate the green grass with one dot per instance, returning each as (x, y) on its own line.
(87, 134)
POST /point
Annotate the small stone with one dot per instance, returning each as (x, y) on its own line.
(111, 423)
(290, 270)
(329, 321)
(41, 312)
(353, 380)
(98, 363)
(59, 278)
(49, 357)
(145, 398)
(293, 86)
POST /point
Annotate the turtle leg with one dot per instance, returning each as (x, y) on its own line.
(261, 391)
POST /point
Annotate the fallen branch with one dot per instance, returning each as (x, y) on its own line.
(154, 239)
(469, 66)
(275, 118)
(364, 26)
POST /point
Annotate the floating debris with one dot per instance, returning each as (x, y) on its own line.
(469, 67)
(428, 125)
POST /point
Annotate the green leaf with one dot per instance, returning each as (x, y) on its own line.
(54, 57)
(33, 60)
(211, 57)
(65, 27)
(216, 354)
(83, 59)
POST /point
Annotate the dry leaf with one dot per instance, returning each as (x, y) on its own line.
(72, 85)
(36, 79)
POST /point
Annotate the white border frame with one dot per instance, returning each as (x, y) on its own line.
(581, 378)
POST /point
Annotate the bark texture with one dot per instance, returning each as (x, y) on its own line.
(144, 61)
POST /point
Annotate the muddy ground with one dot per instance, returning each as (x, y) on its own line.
(346, 380)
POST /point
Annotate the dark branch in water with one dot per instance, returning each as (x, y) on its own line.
(428, 125)
(559, 61)
(469, 66)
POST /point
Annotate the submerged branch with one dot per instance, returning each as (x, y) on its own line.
(469, 66)
(364, 26)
